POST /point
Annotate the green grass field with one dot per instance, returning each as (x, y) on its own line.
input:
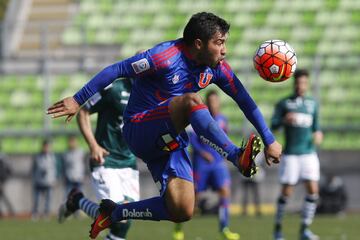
(200, 228)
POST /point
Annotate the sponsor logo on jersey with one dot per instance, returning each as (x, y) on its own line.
(135, 214)
(204, 79)
(171, 143)
(93, 100)
(214, 146)
(175, 79)
(140, 65)
(302, 120)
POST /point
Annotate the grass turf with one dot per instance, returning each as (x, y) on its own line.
(200, 228)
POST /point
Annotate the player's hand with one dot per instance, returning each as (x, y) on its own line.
(318, 137)
(98, 153)
(273, 153)
(66, 107)
(290, 118)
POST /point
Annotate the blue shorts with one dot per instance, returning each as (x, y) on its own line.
(152, 137)
(215, 175)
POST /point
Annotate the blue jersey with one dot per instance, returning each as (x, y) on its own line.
(165, 71)
(198, 146)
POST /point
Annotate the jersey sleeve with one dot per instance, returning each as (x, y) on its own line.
(140, 64)
(95, 103)
(316, 124)
(278, 115)
(231, 85)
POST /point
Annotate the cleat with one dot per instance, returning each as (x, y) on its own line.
(178, 235)
(246, 163)
(308, 235)
(71, 205)
(226, 234)
(278, 235)
(103, 220)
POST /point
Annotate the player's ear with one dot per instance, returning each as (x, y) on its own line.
(198, 44)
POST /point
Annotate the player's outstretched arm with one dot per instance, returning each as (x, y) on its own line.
(231, 85)
(128, 68)
(66, 107)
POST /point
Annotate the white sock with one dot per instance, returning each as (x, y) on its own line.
(309, 209)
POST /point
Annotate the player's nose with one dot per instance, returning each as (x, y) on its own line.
(223, 51)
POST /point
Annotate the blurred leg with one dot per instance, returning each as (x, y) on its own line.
(281, 204)
(8, 205)
(245, 198)
(310, 202)
(47, 195)
(256, 194)
(224, 195)
(36, 196)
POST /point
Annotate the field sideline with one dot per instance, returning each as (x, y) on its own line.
(200, 228)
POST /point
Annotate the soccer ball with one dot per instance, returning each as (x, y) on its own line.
(275, 60)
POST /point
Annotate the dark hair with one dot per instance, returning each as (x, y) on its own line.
(210, 93)
(46, 141)
(203, 26)
(300, 72)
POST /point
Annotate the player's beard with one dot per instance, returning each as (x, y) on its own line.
(208, 59)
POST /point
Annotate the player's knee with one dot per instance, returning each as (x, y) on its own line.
(192, 99)
(182, 213)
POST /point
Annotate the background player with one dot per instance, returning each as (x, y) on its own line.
(113, 166)
(74, 165)
(210, 170)
(162, 103)
(298, 114)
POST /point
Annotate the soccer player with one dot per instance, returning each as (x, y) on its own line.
(210, 170)
(298, 114)
(44, 178)
(74, 165)
(113, 167)
(162, 103)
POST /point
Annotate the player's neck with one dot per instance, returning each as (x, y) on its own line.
(192, 54)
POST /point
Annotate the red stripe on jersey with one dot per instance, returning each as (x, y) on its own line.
(136, 120)
(153, 111)
(156, 113)
(226, 69)
(158, 56)
(161, 61)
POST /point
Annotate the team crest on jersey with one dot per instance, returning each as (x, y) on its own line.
(175, 79)
(204, 79)
(140, 65)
